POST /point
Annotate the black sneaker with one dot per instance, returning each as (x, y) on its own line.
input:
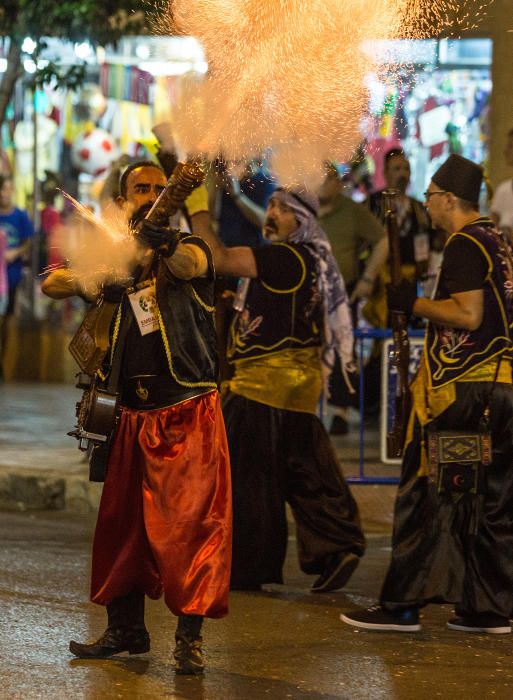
(487, 623)
(378, 618)
(339, 426)
(337, 575)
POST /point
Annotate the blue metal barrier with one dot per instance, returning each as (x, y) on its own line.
(360, 335)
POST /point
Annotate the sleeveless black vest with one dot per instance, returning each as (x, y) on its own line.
(187, 327)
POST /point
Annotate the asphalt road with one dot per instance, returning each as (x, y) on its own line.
(284, 643)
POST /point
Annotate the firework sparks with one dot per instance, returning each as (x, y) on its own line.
(99, 249)
(290, 74)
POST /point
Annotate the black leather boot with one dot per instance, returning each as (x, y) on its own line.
(125, 631)
(187, 653)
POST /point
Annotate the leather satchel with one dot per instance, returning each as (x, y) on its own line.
(458, 459)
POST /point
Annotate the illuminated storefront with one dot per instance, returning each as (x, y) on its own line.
(435, 102)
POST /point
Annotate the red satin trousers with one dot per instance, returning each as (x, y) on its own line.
(164, 524)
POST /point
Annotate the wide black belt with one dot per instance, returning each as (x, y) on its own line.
(151, 391)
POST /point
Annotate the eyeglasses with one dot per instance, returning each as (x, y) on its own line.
(427, 194)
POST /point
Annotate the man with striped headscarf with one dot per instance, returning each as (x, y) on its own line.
(292, 317)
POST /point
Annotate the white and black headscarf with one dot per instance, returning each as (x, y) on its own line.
(338, 328)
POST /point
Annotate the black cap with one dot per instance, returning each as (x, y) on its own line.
(460, 176)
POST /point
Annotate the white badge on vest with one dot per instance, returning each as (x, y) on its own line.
(144, 306)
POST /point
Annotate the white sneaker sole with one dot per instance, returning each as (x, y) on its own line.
(381, 628)
(483, 630)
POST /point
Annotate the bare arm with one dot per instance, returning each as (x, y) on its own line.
(13, 254)
(236, 262)
(233, 262)
(201, 224)
(61, 284)
(377, 259)
(187, 261)
(462, 310)
(253, 213)
(375, 262)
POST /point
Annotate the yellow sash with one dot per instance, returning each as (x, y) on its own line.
(428, 404)
(288, 379)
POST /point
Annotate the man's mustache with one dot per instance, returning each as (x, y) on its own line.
(140, 214)
(270, 223)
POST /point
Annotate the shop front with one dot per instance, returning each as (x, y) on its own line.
(435, 101)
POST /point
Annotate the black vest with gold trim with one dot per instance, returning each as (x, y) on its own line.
(452, 352)
(279, 319)
(187, 327)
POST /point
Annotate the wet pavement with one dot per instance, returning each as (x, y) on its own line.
(283, 643)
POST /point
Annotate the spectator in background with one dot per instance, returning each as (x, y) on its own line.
(240, 205)
(5, 165)
(351, 229)
(51, 220)
(501, 208)
(419, 247)
(18, 229)
(3, 285)
(415, 229)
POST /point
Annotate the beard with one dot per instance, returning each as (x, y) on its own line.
(139, 214)
(402, 184)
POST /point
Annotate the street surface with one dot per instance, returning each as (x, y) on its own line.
(284, 643)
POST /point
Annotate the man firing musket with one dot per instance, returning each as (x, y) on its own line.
(164, 523)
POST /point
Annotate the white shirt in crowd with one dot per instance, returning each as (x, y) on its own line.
(502, 204)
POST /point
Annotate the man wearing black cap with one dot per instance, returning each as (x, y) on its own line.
(453, 531)
(291, 321)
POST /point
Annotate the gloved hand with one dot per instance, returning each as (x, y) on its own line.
(158, 237)
(402, 296)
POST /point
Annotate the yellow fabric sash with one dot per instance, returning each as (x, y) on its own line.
(428, 404)
(288, 379)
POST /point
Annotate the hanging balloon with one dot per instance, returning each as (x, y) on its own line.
(93, 151)
(90, 103)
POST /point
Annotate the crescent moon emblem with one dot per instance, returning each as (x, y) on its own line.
(449, 360)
